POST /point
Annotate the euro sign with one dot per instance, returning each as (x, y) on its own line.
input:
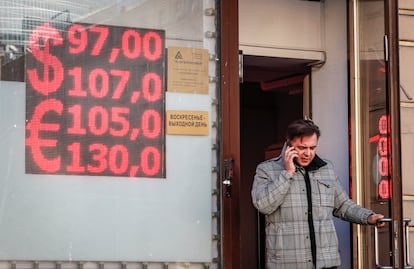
(35, 126)
(51, 78)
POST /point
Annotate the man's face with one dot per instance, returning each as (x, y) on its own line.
(306, 148)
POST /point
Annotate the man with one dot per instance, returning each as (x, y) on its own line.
(300, 193)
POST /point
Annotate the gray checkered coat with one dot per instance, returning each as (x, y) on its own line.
(282, 198)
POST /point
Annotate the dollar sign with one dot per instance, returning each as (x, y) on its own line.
(52, 67)
(35, 126)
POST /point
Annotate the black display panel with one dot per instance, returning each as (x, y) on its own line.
(95, 101)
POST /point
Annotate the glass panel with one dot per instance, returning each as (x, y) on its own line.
(374, 123)
(107, 131)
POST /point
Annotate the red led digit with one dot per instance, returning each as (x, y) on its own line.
(118, 159)
(99, 155)
(382, 124)
(120, 116)
(385, 189)
(98, 120)
(123, 80)
(77, 90)
(150, 161)
(383, 166)
(76, 128)
(151, 87)
(383, 146)
(103, 33)
(131, 44)
(75, 165)
(153, 52)
(151, 123)
(98, 83)
(78, 39)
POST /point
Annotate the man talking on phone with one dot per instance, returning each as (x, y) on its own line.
(300, 194)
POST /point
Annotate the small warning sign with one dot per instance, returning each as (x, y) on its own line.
(187, 70)
(187, 122)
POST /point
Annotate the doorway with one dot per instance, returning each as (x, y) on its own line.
(271, 95)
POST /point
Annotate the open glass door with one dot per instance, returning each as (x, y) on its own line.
(375, 132)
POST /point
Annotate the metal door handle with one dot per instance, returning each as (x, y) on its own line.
(377, 264)
(228, 176)
(406, 245)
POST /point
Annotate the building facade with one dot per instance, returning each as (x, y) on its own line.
(131, 129)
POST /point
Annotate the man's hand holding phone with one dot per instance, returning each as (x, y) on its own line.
(290, 154)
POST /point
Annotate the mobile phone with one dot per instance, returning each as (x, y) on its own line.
(289, 143)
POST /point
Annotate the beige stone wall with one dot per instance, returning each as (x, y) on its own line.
(406, 35)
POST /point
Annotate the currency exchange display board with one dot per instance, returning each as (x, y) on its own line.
(95, 101)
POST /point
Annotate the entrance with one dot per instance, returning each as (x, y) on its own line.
(271, 96)
(374, 137)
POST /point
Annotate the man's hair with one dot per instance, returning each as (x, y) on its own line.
(300, 128)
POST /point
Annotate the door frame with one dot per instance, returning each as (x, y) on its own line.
(393, 86)
(230, 115)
